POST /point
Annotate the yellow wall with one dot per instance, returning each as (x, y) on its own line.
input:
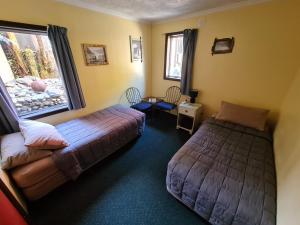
(287, 152)
(258, 72)
(262, 70)
(102, 85)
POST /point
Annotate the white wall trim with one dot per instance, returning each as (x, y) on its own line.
(213, 10)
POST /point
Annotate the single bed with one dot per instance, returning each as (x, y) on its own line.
(91, 139)
(226, 174)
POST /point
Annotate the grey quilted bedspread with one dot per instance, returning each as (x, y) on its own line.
(96, 136)
(226, 174)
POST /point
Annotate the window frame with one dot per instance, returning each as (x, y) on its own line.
(34, 29)
(166, 54)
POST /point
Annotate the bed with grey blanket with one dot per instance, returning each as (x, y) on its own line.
(94, 137)
(226, 174)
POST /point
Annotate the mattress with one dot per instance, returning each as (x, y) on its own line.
(226, 174)
(38, 178)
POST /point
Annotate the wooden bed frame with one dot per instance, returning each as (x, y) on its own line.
(9, 189)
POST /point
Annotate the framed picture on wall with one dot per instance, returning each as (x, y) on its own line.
(136, 49)
(222, 46)
(94, 54)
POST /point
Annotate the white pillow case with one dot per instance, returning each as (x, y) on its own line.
(40, 135)
(15, 153)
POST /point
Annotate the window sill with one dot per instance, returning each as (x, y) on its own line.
(45, 112)
(173, 79)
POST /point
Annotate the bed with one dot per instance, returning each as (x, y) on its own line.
(226, 174)
(92, 138)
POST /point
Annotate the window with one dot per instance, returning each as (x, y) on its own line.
(173, 56)
(30, 72)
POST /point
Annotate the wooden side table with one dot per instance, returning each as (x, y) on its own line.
(189, 115)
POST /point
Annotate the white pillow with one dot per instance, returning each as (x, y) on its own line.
(40, 135)
(15, 153)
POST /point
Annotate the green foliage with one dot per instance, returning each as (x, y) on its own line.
(45, 65)
(27, 62)
(15, 67)
(10, 55)
(30, 62)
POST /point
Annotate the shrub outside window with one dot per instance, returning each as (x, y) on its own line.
(30, 73)
(173, 56)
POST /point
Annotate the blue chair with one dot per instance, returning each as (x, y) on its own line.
(169, 102)
(135, 100)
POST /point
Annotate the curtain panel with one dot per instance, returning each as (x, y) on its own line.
(62, 51)
(189, 48)
(8, 115)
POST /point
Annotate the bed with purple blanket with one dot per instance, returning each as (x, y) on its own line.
(226, 174)
(91, 139)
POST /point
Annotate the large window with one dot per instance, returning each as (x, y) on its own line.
(173, 56)
(30, 72)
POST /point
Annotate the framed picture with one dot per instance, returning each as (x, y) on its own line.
(222, 46)
(136, 49)
(94, 54)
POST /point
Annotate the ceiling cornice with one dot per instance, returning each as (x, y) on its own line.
(213, 10)
(92, 7)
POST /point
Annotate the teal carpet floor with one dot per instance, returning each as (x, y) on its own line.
(128, 188)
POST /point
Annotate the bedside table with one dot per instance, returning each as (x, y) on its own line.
(188, 117)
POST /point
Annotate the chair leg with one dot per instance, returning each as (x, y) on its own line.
(156, 112)
(148, 114)
(152, 110)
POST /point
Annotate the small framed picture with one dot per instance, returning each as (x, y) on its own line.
(136, 50)
(94, 54)
(222, 46)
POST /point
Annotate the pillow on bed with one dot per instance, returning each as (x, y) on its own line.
(15, 153)
(246, 116)
(40, 135)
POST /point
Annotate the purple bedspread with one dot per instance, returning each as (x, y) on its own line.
(96, 136)
(226, 174)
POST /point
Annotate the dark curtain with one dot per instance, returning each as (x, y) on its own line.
(62, 51)
(189, 47)
(8, 115)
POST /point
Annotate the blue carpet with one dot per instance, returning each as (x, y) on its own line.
(127, 188)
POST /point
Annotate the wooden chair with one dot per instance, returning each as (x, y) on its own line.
(135, 100)
(169, 102)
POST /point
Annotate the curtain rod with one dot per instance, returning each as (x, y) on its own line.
(175, 32)
(178, 31)
(22, 26)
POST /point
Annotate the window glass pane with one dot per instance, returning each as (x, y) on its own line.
(30, 73)
(174, 56)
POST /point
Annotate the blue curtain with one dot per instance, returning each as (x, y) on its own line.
(62, 51)
(8, 115)
(189, 48)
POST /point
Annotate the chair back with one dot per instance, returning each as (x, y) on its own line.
(133, 95)
(173, 95)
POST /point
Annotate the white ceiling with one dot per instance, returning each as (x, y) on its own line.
(155, 10)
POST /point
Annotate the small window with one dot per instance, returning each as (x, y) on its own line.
(173, 56)
(30, 73)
